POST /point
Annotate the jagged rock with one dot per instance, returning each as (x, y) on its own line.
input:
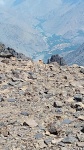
(58, 59)
(9, 52)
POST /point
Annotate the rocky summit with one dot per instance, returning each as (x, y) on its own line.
(41, 105)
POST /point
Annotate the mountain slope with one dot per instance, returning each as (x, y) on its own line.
(76, 56)
(41, 28)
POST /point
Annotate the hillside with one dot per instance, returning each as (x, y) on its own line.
(42, 28)
(41, 105)
(76, 57)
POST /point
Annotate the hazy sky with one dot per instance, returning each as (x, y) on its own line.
(1, 2)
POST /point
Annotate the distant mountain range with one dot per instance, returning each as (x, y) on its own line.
(76, 57)
(42, 28)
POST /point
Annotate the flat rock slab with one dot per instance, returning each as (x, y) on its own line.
(30, 122)
(69, 140)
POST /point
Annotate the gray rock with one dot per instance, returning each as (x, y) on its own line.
(58, 59)
(66, 121)
(58, 110)
(1, 99)
(78, 125)
(48, 141)
(24, 113)
(8, 52)
(82, 130)
(82, 70)
(61, 144)
(52, 129)
(78, 97)
(2, 124)
(11, 83)
(31, 75)
(38, 136)
(11, 100)
(2, 76)
(69, 139)
(80, 137)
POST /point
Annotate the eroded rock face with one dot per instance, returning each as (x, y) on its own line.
(41, 106)
(58, 59)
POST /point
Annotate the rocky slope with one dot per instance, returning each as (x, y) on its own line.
(41, 106)
(76, 57)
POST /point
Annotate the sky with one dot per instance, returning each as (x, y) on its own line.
(2, 2)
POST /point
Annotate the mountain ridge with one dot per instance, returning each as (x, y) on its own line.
(76, 57)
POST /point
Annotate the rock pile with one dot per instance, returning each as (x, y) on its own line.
(41, 106)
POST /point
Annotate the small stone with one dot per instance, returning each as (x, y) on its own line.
(80, 137)
(61, 144)
(78, 125)
(41, 144)
(58, 104)
(82, 130)
(38, 136)
(80, 144)
(63, 148)
(12, 83)
(1, 99)
(82, 70)
(52, 129)
(81, 118)
(11, 100)
(66, 121)
(1, 123)
(48, 141)
(55, 141)
(24, 113)
(47, 133)
(14, 148)
(58, 110)
(78, 97)
(4, 131)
